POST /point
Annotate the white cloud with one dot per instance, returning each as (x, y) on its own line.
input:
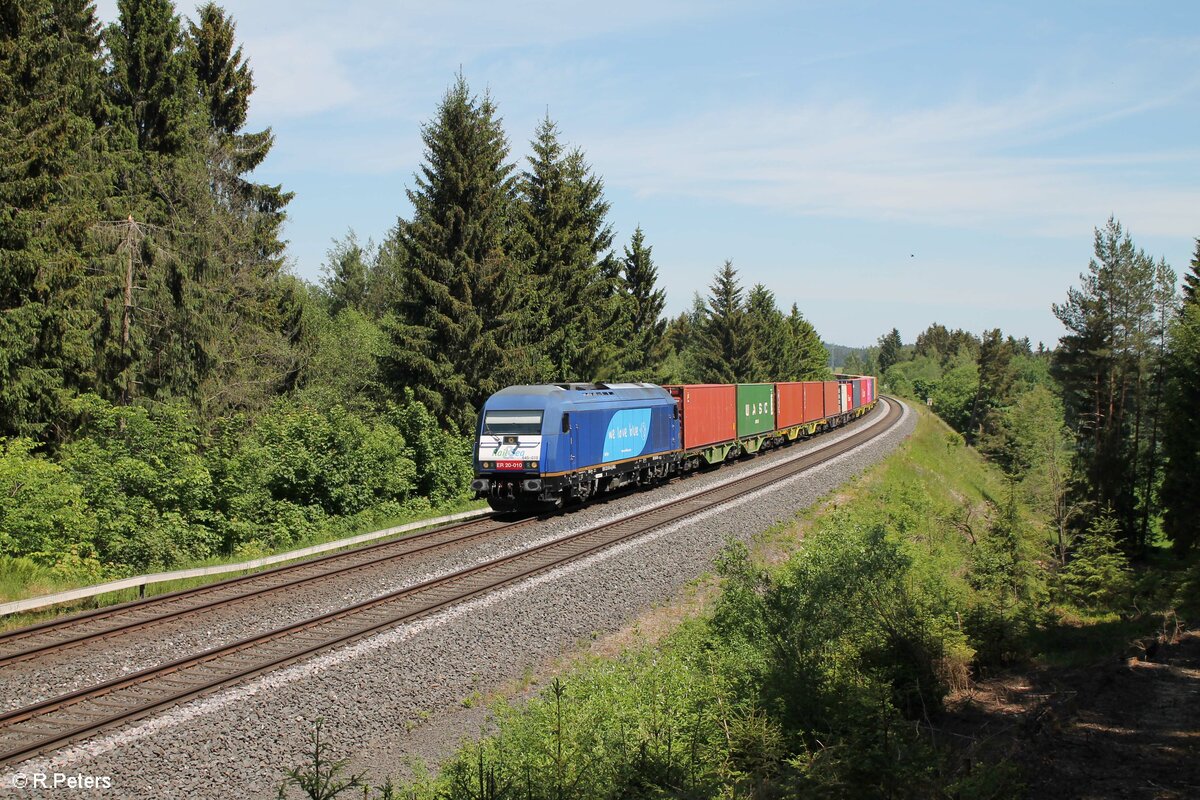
(954, 164)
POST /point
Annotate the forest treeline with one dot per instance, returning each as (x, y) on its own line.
(1101, 432)
(169, 391)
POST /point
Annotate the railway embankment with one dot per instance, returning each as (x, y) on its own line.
(908, 635)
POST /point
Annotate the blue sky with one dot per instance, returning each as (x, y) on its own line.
(880, 164)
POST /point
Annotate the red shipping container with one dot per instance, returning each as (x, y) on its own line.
(789, 404)
(708, 413)
(799, 403)
(814, 400)
(832, 398)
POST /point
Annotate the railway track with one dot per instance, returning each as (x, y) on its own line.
(56, 635)
(54, 722)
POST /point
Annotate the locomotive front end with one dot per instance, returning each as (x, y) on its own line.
(509, 449)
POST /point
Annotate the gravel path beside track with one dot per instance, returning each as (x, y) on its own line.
(384, 699)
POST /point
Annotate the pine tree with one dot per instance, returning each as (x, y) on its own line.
(452, 330)
(51, 179)
(724, 352)
(1104, 364)
(641, 304)
(564, 215)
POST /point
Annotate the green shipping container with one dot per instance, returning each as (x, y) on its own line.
(756, 408)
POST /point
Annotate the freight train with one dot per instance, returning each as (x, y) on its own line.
(540, 447)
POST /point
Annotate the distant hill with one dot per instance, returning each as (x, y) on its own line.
(838, 353)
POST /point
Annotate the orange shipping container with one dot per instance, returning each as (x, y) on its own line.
(708, 413)
(789, 398)
(832, 398)
(814, 400)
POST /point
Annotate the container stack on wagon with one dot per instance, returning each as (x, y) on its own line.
(704, 413)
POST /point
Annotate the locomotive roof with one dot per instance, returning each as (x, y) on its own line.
(551, 395)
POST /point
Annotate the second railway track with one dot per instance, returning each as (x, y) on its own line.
(60, 634)
(52, 723)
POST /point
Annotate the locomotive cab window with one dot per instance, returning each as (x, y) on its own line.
(512, 422)
(566, 423)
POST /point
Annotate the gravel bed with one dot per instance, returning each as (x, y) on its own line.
(400, 695)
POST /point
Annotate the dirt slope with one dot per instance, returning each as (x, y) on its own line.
(1128, 729)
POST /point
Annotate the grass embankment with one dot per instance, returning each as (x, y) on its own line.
(21, 577)
(824, 663)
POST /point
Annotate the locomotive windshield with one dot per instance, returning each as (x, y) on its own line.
(512, 422)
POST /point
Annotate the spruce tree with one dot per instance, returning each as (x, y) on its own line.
(995, 387)
(224, 78)
(151, 80)
(1191, 280)
(452, 332)
(1180, 492)
(641, 304)
(724, 352)
(51, 179)
(347, 274)
(890, 348)
(567, 237)
(225, 83)
(769, 334)
(808, 359)
(199, 241)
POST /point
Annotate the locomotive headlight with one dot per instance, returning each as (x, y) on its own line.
(487, 465)
(533, 465)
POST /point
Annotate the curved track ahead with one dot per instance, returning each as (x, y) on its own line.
(43, 726)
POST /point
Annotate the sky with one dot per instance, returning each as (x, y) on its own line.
(879, 164)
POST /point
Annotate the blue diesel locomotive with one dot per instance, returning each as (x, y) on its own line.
(543, 445)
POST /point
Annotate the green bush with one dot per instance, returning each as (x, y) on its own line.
(145, 481)
(443, 462)
(283, 475)
(43, 515)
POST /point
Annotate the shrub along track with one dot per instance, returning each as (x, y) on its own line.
(52, 723)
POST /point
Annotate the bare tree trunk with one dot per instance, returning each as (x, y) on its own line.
(127, 313)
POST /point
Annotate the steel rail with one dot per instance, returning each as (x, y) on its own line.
(56, 721)
(133, 615)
